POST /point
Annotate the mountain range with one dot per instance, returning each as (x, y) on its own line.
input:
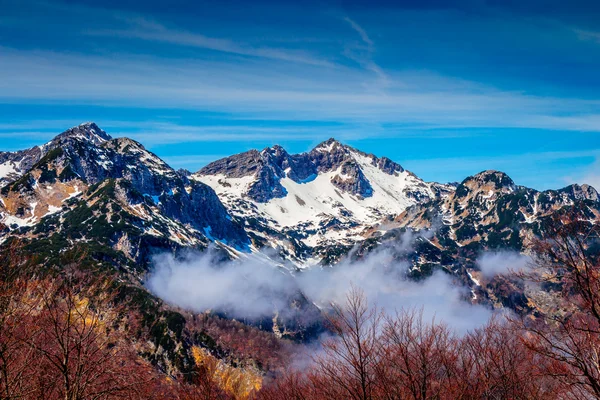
(124, 204)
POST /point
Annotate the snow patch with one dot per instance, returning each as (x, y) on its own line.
(7, 168)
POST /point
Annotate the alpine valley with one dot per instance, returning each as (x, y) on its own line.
(108, 203)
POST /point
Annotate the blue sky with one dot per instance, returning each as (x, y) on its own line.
(447, 89)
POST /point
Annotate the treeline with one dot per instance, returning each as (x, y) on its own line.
(70, 338)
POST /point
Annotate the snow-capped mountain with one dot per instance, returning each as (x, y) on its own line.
(300, 202)
(116, 191)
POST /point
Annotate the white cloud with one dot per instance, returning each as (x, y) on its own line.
(501, 263)
(251, 289)
(248, 289)
(588, 35)
(366, 59)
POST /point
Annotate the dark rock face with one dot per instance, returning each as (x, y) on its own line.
(301, 168)
(267, 186)
(265, 166)
(184, 172)
(388, 166)
(202, 209)
(235, 166)
(329, 155)
(352, 180)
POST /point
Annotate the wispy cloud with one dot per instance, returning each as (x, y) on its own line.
(584, 122)
(504, 262)
(356, 72)
(144, 29)
(166, 133)
(515, 159)
(364, 55)
(24, 125)
(256, 289)
(587, 35)
(268, 90)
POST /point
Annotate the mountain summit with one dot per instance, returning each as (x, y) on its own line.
(88, 131)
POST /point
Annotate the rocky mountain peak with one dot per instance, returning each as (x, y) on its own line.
(500, 178)
(275, 156)
(329, 145)
(303, 204)
(388, 166)
(332, 150)
(236, 166)
(134, 184)
(126, 145)
(485, 181)
(332, 154)
(581, 192)
(345, 167)
(274, 150)
(88, 131)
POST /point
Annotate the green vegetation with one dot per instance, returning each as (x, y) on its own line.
(67, 174)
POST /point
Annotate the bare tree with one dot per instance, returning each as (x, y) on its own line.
(15, 354)
(415, 357)
(568, 334)
(16, 376)
(349, 359)
(494, 363)
(77, 345)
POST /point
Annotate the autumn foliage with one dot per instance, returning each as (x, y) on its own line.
(69, 338)
(405, 357)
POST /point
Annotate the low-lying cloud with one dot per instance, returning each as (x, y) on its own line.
(250, 288)
(247, 288)
(501, 263)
